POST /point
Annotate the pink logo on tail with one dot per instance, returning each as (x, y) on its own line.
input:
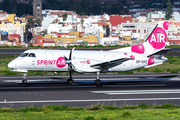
(138, 49)
(158, 38)
(61, 62)
(166, 25)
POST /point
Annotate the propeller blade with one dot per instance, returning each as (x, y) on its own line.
(70, 55)
(66, 58)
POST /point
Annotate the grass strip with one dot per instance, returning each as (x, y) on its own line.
(96, 112)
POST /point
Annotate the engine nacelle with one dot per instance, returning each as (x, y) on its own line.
(83, 65)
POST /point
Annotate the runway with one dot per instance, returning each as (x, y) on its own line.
(117, 89)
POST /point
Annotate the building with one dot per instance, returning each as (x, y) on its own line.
(37, 8)
(14, 37)
(3, 36)
(117, 19)
(12, 29)
(135, 30)
(156, 14)
(176, 16)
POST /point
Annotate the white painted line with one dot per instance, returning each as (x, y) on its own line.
(143, 93)
(41, 80)
(134, 91)
(14, 88)
(90, 100)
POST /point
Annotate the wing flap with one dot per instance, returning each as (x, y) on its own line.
(109, 64)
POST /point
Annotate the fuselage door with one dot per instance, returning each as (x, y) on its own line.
(49, 57)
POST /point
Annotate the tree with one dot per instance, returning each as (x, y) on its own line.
(64, 16)
(82, 21)
(107, 31)
(30, 23)
(6, 6)
(38, 21)
(169, 10)
(104, 27)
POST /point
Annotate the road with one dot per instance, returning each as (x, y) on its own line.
(17, 52)
(117, 90)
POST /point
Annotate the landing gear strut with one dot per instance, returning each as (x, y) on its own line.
(97, 82)
(24, 78)
(70, 80)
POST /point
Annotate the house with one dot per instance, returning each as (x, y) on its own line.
(118, 19)
(14, 37)
(48, 42)
(40, 41)
(174, 40)
(37, 41)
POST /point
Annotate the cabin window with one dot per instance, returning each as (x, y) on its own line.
(24, 54)
(31, 55)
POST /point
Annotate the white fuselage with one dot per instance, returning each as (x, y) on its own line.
(53, 60)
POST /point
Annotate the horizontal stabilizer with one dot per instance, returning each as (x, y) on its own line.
(160, 53)
(109, 64)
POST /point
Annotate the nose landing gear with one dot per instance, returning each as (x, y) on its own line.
(24, 81)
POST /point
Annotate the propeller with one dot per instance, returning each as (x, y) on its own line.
(69, 61)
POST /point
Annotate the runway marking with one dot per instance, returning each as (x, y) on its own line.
(138, 92)
(91, 100)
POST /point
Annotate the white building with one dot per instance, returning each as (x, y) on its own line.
(140, 30)
(12, 29)
(176, 16)
(47, 20)
(156, 14)
(55, 27)
(108, 40)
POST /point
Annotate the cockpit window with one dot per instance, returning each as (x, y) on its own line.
(31, 55)
(24, 54)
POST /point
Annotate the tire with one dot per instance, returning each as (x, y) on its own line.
(70, 81)
(97, 82)
(24, 81)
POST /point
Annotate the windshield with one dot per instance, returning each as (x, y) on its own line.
(24, 54)
(31, 55)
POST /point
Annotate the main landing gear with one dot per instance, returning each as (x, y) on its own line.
(97, 82)
(24, 81)
(70, 80)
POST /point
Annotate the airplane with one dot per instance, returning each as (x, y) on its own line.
(148, 54)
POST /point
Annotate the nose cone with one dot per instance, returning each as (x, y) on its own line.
(11, 65)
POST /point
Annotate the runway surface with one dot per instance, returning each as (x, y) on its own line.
(117, 90)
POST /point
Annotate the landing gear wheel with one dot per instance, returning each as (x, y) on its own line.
(70, 81)
(24, 81)
(97, 82)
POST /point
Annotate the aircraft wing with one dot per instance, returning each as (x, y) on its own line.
(109, 64)
(160, 53)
